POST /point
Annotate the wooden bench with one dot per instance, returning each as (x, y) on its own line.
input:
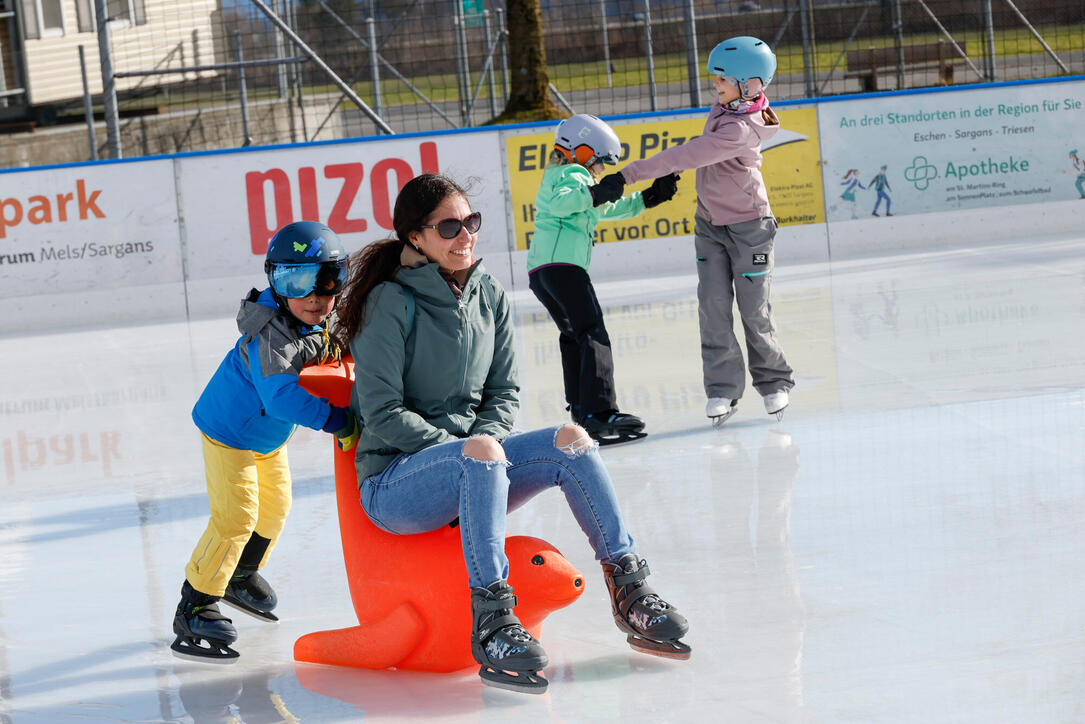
(867, 63)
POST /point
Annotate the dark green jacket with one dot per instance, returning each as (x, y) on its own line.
(448, 372)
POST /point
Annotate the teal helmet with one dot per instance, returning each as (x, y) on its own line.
(304, 257)
(743, 58)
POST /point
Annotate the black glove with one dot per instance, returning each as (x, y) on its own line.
(662, 189)
(609, 188)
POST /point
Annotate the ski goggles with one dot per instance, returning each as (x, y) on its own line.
(450, 228)
(609, 159)
(296, 281)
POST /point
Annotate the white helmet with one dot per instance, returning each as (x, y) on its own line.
(586, 139)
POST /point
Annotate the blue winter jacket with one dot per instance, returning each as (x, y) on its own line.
(254, 401)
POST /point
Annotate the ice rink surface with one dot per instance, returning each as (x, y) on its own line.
(907, 545)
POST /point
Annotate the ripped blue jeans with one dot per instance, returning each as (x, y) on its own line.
(428, 489)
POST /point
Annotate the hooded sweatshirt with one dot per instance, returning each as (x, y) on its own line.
(727, 156)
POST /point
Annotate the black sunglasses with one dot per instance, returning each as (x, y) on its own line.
(450, 228)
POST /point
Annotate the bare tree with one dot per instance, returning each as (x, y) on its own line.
(529, 86)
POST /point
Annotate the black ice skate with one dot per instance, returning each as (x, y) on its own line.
(203, 633)
(509, 657)
(611, 427)
(653, 625)
(250, 593)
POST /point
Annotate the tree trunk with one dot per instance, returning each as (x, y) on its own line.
(529, 84)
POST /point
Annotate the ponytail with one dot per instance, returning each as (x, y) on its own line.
(380, 261)
(369, 267)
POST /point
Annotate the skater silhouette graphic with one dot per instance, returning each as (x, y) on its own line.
(880, 183)
(850, 182)
(1079, 166)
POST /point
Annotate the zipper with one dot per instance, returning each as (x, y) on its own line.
(465, 347)
(751, 275)
(461, 314)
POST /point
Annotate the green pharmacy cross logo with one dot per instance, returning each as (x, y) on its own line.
(921, 173)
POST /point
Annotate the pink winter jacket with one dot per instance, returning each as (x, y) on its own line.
(727, 156)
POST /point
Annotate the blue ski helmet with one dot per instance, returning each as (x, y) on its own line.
(743, 58)
(304, 257)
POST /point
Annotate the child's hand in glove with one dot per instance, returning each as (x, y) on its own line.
(662, 189)
(609, 188)
(344, 426)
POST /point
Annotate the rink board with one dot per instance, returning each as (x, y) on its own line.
(182, 237)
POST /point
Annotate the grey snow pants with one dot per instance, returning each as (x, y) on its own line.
(734, 263)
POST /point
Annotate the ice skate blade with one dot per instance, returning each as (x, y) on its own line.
(779, 414)
(213, 653)
(238, 605)
(522, 682)
(620, 439)
(718, 420)
(666, 649)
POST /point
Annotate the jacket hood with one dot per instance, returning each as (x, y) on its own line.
(763, 123)
(425, 280)
(257, 309)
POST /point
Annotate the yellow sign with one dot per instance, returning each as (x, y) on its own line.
(791, 172)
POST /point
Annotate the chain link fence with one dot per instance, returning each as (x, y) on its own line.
(220, 74)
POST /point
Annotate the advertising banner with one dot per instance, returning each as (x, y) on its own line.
(89, 245)
(234, 203)
(183, 237)
(790, 170)
(984, 147)
(88, 229)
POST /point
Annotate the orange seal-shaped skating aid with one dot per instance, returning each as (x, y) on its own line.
(410, 592)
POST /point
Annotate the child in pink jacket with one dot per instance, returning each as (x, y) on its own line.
(734, 229)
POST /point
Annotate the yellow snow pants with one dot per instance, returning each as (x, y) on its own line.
(249, 492)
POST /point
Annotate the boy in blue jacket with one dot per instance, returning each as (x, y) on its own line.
(246, 414)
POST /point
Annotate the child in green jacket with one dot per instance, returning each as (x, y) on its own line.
(568, 206)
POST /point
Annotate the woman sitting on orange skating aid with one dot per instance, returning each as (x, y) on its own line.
(436, 395)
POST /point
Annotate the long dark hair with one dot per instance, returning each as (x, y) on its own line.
(378, 262)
